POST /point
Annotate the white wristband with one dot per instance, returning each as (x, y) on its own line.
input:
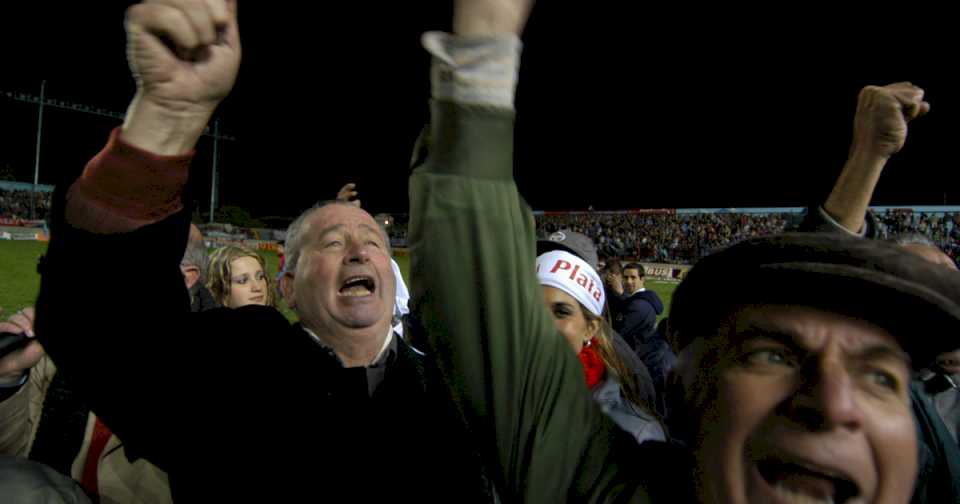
(479, 70)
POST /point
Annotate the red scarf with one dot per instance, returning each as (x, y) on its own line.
(593, 366)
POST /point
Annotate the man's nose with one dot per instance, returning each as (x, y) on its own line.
(827, 399)
(356, 252)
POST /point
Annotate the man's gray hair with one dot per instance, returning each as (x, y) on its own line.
(294, 239)
(196, 255)
(913, 238)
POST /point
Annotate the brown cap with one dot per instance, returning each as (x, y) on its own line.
(917, 301)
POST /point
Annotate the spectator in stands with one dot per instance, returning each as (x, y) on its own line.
(665, 237)
(238, 278)
(230, 401)
(574, 296)
(17, 204)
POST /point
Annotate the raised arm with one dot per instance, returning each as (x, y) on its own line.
(113, 308)
(879, 132)
(475, 291)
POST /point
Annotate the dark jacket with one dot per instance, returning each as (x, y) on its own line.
(635, 316)
(240, 405)
(201, 299)
(939, 457)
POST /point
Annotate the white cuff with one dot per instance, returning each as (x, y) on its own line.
(833, 222)
(480, 70)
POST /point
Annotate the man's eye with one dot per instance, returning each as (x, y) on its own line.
(884, 379)
(770, 356)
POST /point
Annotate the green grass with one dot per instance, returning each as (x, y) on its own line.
(19, 281)
(665, 291)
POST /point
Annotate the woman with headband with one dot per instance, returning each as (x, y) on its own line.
(574, 294)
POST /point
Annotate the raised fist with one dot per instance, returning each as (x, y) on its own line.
(184, 54)
(880, 126)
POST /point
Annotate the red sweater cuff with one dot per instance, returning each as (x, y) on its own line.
(123, 188)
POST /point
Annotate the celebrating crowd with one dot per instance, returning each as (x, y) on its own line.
(18, 204)
(794, 367)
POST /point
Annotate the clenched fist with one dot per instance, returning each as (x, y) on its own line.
(880, 126)
(184, 55)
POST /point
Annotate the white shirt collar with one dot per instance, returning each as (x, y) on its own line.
(383, 349)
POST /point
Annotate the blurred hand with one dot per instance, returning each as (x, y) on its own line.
(615, 282)
(14, 364)
(880, 126)
(346, 194)
(490, 17)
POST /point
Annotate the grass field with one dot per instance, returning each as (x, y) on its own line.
(19, 281)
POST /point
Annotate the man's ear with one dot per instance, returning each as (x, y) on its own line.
(191, 274)
(286, 287)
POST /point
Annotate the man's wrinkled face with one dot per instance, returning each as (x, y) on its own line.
(342, 279)
(800, 405)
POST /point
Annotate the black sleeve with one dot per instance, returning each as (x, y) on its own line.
(141, 358)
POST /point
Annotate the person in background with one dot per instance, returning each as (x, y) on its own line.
(194, 266)
(238, 277)
(574, 296)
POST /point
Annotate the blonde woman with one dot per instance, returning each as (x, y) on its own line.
(238, 277)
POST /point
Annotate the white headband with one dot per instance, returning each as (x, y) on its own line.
(574, 276)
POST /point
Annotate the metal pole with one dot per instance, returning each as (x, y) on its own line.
(213, 178)
(36, 157)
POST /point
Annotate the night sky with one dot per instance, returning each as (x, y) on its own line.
(617, 108)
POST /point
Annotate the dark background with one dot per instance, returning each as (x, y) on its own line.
(618, 107)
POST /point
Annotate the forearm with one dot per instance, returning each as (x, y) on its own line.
(163, 130)
(848, 201)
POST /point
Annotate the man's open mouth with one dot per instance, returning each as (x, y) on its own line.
(357, 286)
(804, 483)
